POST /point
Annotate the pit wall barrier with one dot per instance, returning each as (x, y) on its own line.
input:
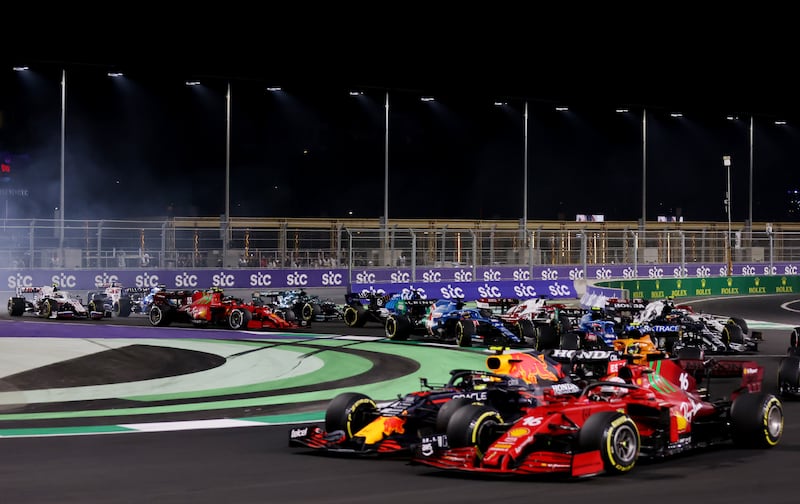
(711, 286)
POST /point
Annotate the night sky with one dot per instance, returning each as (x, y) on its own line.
(146, 145)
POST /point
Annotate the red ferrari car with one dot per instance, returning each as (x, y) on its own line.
(654, 410)
(213, 307)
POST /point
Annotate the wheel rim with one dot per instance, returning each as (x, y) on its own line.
(391, 327)
(625, 444)
(236, 319)
(774, 422)
(155, 315)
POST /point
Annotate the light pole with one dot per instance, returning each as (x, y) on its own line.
(63, 137)
(644, 171)
(386, 165)
(726, 161)
(750, 196)
(227, 157)
(525, 178)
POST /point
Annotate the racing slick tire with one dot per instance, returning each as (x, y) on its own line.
(756, 420)
(122, 308)
(546, 338)
(349, 412)
(616, 436)
(16, 306)
(355, 316)
(46, 307)
(287, 314)
(472, 425)
(159, 316)
(447, 410)
(238, 319)
(306, 312)
(97, 306)
(741, 323)
(525, 330)
(732, 333)
(464, 332)
(789, 376)
(398, 327)
(794, 338)
(570, 341)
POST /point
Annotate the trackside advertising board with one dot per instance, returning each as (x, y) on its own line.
(713, 286)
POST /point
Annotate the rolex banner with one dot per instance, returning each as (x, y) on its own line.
(711, 286)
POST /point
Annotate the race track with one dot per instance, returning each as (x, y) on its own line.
(254, 464)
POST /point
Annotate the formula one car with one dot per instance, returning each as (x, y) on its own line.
(293, 306)
(678, 326)
(213, 307)
(789, 368)
(649, 412)
(114, 299)
(50, 302)
(366, 307)
(356, 424)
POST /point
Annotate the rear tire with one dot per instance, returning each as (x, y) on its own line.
(398, 327)
(158, 316)
(123, 307)
(525, 330)
(570, 341)
(546, 337)
(349, 412)
(447, 410)
(789, 375)
(355, 316)
(742, 323)
(757, 420)
(16, 306)
(794, 338)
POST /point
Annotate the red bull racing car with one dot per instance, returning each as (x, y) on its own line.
(635, 411)
(356, 424)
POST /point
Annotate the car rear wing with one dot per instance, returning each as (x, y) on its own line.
(28, 290)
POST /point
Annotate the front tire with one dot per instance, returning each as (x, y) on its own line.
(757, 420)
(464, 332)
(16, 306)
(349, 412)
(238, 319)
(123, 307)
(473, 425)
(617, 438)
(355, 316)
(789, 375)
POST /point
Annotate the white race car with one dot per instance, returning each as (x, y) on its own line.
(49, 302)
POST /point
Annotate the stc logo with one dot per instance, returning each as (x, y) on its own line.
(723, 270)
(365, 277)
(790, 270)
(64, 280)
(222, 279)
(702, 272)
(575, 274)
(491, 291)
(770, 270)
(372, 290)
(748, 270)
(411, 291)
(185, 280)
(463, 276)
(602, 273)
(521, 274)
(549, 274)
(399, 277)
(431, 276)
(105, 278)
(558, 290)
(296, 278)
(655, 272)
(146, 280)
(525, 291)
(331, 278)
(629, 273)
(680, 272)
(260, 280)
(450, 292)
(20, 281)
(491, 275)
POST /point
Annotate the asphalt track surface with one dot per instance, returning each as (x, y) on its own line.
(254, 464)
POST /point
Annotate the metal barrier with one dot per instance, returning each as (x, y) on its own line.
(367, 243)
